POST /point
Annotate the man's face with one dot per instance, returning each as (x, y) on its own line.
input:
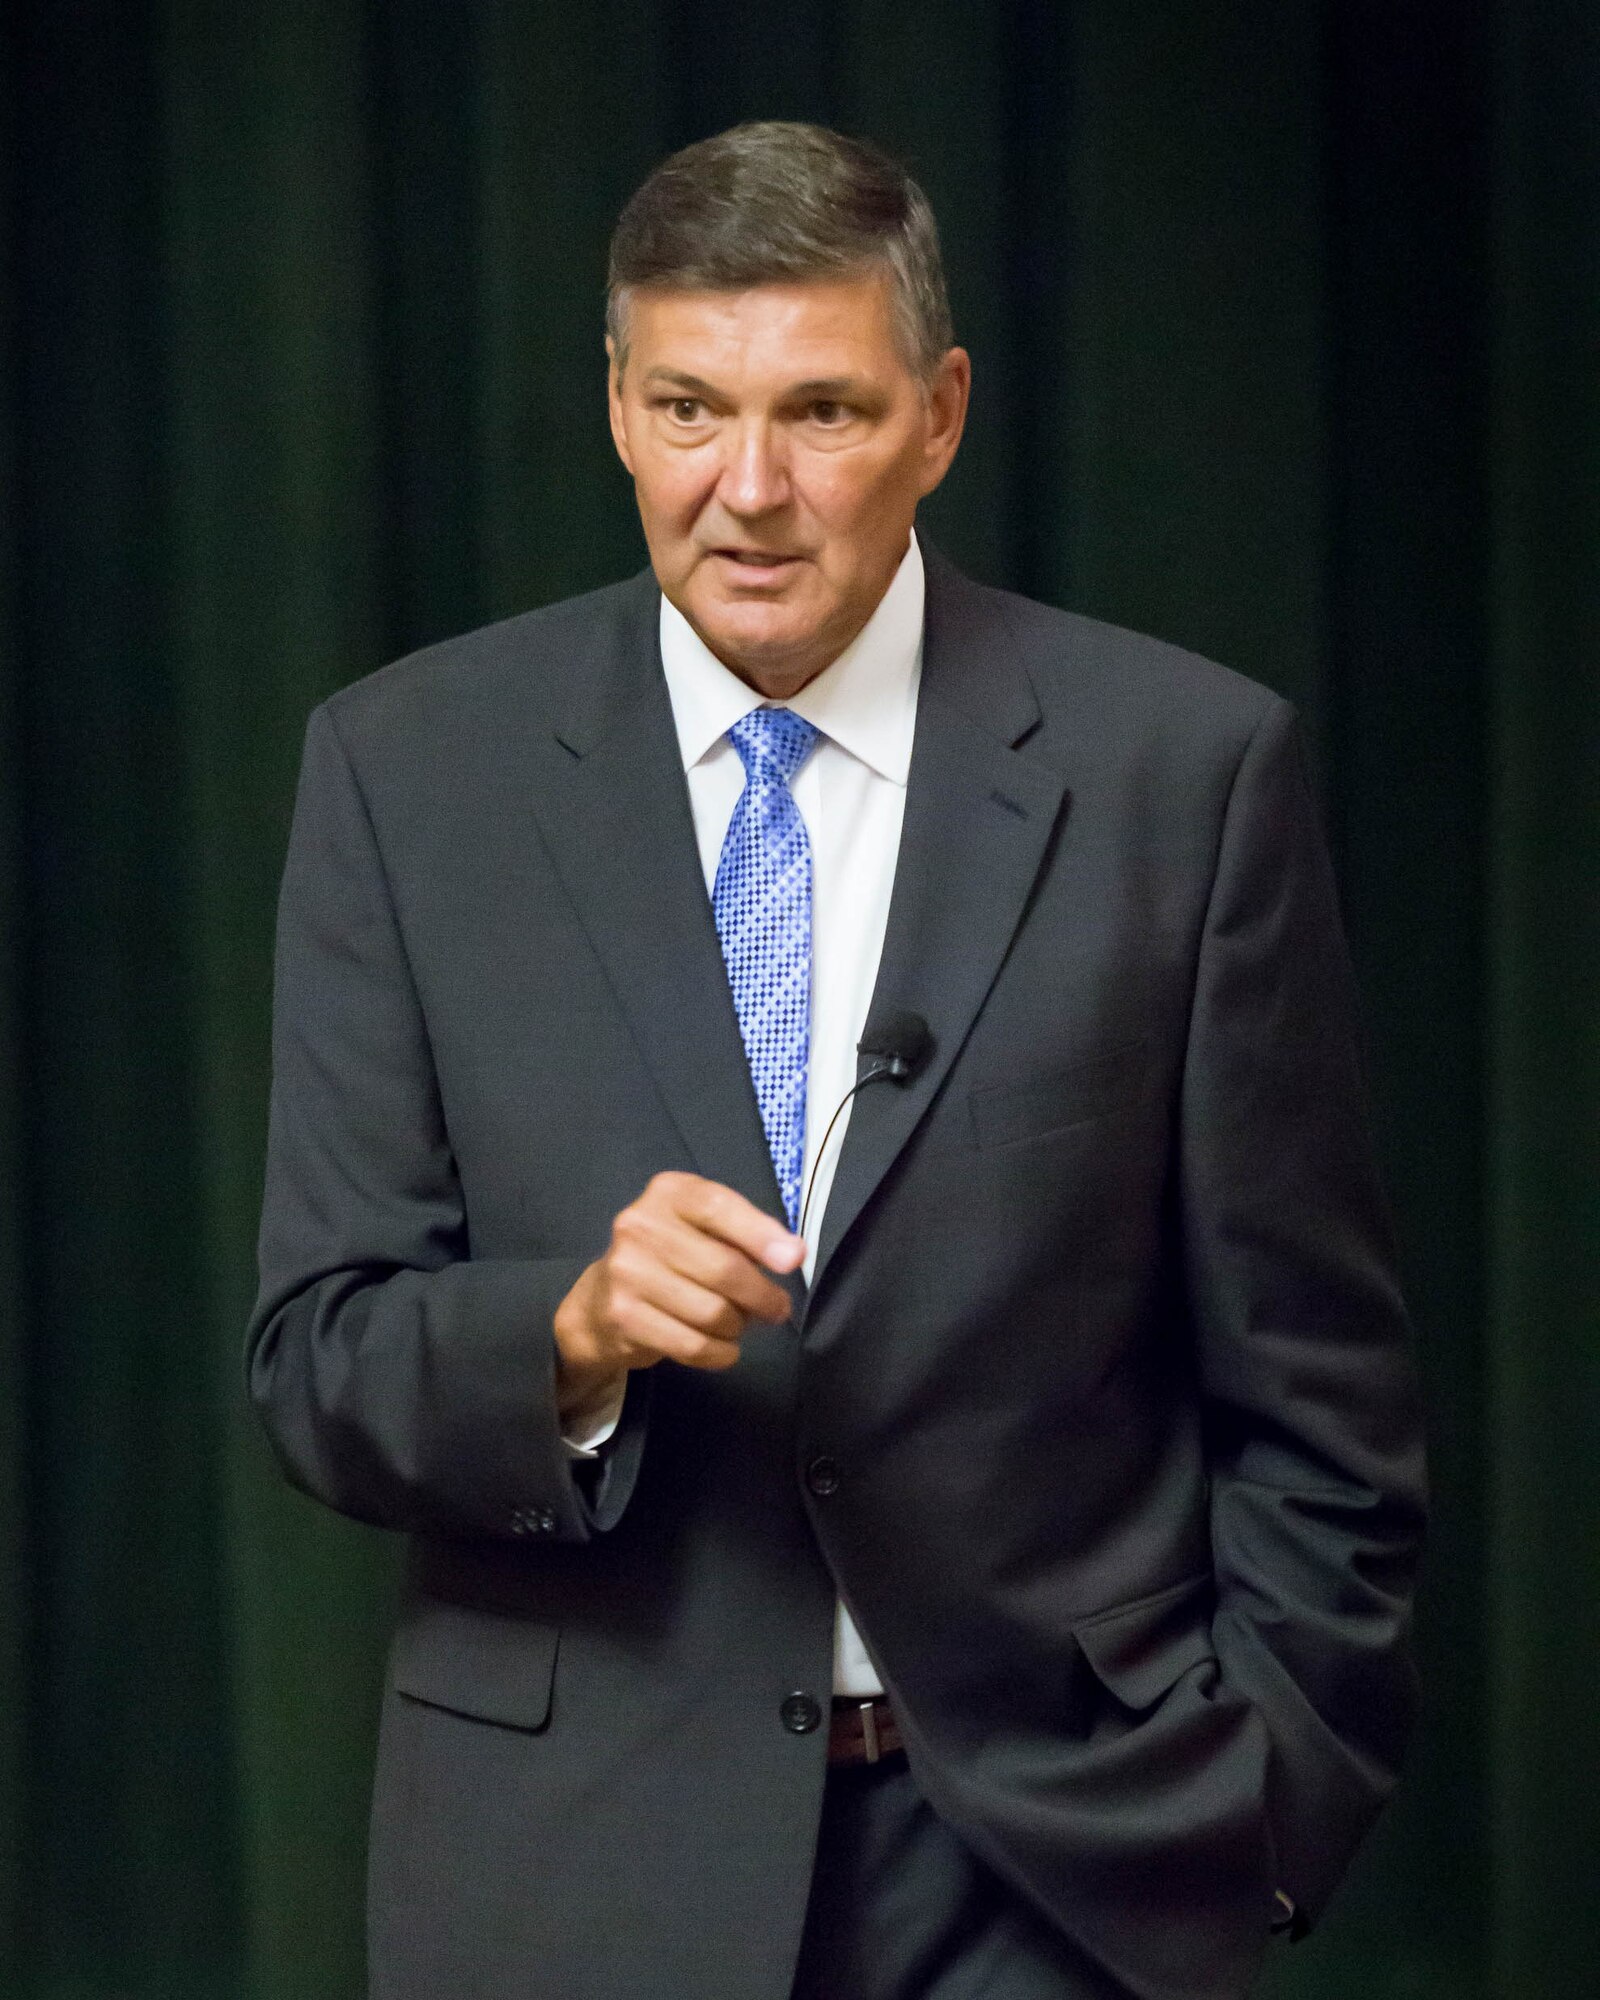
(779, 443)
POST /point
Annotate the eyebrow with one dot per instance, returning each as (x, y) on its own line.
(680, 380)
(837, 386)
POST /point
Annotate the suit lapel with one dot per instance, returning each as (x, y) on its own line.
(979, 817)
(616, 819)
(615, 816)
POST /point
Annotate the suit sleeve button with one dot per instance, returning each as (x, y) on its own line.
(799, 1714)
(822, 1476)
(544, 1521)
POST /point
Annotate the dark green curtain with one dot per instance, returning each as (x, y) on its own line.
(1286, 325)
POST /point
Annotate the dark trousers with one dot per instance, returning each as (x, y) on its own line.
(901, 1909)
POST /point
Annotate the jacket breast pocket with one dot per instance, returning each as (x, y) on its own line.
(1141, 1649)
(482, 1664)
(1003, 1113)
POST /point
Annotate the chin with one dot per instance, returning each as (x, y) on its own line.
(769, 666)
(754, 633)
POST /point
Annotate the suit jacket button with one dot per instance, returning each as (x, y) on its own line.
(799, 1714)
(822, 1476)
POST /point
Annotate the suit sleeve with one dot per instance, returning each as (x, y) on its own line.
(400, 1379)
(1303, 1342)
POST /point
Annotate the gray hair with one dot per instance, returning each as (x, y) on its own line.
(771, 202)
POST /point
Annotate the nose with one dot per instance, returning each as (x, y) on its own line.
(755, 472)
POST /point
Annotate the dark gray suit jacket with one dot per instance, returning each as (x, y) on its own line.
(1104, 1343)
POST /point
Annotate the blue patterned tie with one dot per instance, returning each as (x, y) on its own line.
(762, 904)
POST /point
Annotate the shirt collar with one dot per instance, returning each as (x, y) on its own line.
(866, 701)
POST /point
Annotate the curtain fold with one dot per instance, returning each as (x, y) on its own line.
(1542, 1094)
(1284, 321)
(287, 476)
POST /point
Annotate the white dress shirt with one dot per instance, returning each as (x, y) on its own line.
(851, 793)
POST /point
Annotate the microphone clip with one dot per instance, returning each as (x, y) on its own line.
(896, 1045)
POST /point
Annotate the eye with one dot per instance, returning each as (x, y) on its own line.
(827, 412)
(686, 409)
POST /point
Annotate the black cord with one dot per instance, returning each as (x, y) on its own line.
(861, 1082)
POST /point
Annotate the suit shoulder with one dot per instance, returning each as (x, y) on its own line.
(1072, 658)
(522, 665)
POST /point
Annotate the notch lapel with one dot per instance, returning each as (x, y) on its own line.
(615, 816)
(978, 820)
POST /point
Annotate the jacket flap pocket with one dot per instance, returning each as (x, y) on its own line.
(1004, 1112)
(478, 1663)
(1139, 1650)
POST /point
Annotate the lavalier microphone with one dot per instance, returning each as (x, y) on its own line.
(900, 1042)
(896, 1044)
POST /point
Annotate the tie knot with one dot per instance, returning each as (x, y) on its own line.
(772, 742)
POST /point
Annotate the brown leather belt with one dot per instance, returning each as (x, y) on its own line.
(862, 1732)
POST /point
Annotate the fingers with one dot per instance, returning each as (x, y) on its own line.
(701, 1255)
(699, 1307)
(711, 1237)
(688, 1267)
(722, 1212)
(652, 1335)
(605, 1327)
(696, 1277)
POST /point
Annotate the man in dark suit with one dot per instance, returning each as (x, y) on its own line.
(993, 1577)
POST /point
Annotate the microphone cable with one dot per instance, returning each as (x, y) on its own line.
(901, 1043)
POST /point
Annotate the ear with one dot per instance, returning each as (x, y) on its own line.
(948, 396)
(619, 429)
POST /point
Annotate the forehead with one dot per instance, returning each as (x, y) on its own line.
(802, 330)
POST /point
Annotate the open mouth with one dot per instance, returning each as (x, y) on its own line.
(757, 565)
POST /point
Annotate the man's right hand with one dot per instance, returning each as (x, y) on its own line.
(686, 1271)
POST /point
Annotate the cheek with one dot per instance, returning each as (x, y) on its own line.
(861, 515)
(841, 497)
(859, 490)
(669, 502)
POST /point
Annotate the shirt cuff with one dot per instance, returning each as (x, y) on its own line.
(586, 1430)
